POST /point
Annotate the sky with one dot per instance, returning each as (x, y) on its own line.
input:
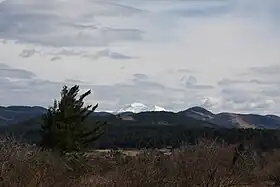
(223, 55)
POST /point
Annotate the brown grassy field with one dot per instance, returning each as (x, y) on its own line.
(206, 165)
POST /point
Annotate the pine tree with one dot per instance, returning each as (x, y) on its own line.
(64, 125)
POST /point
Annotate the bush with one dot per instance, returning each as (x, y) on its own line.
(206, 164)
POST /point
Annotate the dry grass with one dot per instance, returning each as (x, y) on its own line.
(205, 165)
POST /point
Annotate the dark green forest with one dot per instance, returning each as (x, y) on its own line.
(145, 133)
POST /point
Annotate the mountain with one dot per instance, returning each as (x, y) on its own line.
(137, 107)
(231, 120)
(234, 120)
(138, 113)
(16, 114)
(264, 122)
(161, 118)
(153, 126)
(198, 113)
(149, 129)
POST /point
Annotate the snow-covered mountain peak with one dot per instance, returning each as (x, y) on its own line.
(137, 107)
(158, 108)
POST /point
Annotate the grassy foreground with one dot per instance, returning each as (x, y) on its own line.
(207, 164)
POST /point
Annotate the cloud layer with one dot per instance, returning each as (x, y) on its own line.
(223, 55)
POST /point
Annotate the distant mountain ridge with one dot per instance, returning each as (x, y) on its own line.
(234, 120)
(16, 114)
(156, 115)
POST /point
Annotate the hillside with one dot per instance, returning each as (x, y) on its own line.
(17, 114)
(156, 128)
(124, 134)
(143, 119)
(234, 120)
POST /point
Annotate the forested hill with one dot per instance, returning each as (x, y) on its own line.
(17, 114)
(154, 129)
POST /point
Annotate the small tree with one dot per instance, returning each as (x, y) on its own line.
(64, 126)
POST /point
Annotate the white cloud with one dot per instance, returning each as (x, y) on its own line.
(223, 55)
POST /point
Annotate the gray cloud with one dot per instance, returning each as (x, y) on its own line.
(141, 91)
(226, 82)
(235, 95)
(68, 52)
(35, 91)
(3, 41)
(109, 54)
(8, 72)
(229, 82)
(55, 58)
(265, 75)
(203, 87)
(267, 70)
(273, 92)
(251, 100)
(149, 84)
(31, 92)
(140, 76)
(59, 52)
(39, 23)
(27, 53)
(258, 89)
(254, 105)
(74, 81)
(217, 8)
(190, 82)
(116, 34)
(108, 96)
(185, 71)
(55, 53)
(4, 66)
(114, 25)
(23, 84)
(82, 26)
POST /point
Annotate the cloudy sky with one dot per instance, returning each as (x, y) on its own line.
(220, 54)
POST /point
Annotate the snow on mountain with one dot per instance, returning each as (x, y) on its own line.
(157, 108)
(137, 107)
(106, 111)
(134, 107)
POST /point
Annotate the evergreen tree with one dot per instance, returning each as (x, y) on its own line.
(64, 125)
